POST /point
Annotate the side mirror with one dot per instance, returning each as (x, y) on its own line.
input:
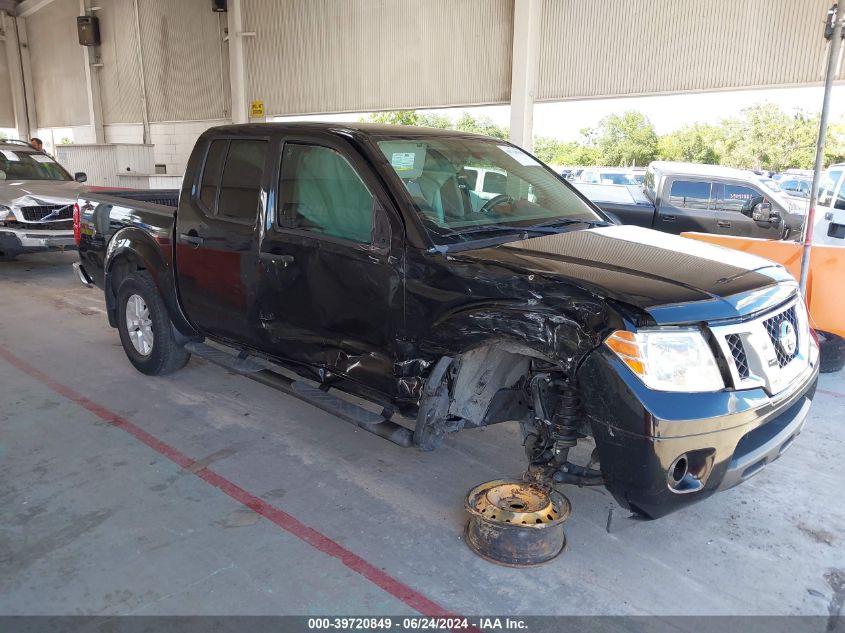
(762, 212)
(80, 176)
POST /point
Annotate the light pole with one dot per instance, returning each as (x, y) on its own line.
(834, 31)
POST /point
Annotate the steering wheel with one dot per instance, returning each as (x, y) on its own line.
(495, 202)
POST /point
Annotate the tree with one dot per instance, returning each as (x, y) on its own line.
(395, 117)
(481, 125)
(692, 144)
(560, 153)
(465, 123)
(626, 139)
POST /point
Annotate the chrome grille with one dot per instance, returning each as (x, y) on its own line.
(36, 213)
(758, 352)
(738, 352)
(772, 326)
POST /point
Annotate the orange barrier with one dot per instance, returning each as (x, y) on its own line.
(825, 282)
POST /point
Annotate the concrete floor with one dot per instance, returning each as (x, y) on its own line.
(207, 493)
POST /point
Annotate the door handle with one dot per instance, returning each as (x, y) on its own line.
(669, 218)
(193, 240)
(723, 224)
(284, 260)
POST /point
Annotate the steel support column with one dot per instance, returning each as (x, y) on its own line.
(237, 66)
(18, 90)
(524, 70)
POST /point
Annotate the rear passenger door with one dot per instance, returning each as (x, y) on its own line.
(331, 292)
(216, 245)
(686, 205)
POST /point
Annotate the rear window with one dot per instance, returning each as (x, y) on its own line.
(690, 194)
(211, 174)
(240, 184)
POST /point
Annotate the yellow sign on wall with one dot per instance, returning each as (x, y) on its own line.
(256, 110)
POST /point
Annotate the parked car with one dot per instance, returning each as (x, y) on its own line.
(351, 256)
(608, 176)
(678, 197)
(36, 201)
(796, 186)
(638, 173)
(483, 181)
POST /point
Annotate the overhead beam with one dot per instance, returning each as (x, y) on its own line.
(524, 70)
(28, 7)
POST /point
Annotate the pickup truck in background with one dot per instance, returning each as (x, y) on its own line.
(827, 265)
(334, 259)
(679, 197)
(36, 201)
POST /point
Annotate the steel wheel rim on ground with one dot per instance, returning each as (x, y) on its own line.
(516, 524)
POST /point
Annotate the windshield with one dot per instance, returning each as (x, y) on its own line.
(462, 187)
(24, 165)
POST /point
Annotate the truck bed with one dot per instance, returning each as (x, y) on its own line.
(626, 203)
(157, 197)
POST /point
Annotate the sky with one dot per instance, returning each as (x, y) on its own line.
(564, 120)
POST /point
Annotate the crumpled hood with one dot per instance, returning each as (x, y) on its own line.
(674, 279)
(24, 193)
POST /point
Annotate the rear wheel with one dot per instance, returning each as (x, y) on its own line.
(145, 329)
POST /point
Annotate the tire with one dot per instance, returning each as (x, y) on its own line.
(154, 351)
(831, 353)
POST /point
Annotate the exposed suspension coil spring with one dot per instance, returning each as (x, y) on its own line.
(564, 423)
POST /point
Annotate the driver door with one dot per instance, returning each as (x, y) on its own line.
(734, 209)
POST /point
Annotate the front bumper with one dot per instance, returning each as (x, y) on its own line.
(727, 436)
(14, 241)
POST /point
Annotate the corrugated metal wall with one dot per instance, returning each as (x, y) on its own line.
(624, 47)
(183, 61)
(58, 65)
(120, 85)
(354, 55)
(7, 108)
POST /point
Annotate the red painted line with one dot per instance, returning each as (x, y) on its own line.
(294, 526)
(827, 392)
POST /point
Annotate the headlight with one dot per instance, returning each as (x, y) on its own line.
(6, 215)
(668, 360)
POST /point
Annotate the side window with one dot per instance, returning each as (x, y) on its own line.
(240, 184)
(320, 191)
(739, 198)
(494, 182)
(690, 194)
(211, 174)
(826, 190)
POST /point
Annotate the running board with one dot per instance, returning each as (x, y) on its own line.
(223, 359)
(346, 411)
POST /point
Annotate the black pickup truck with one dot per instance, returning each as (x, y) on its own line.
(677, 197)
(328, 260)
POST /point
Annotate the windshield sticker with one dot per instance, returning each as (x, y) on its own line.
(402, 161)
(10, 155)
(39, 158)
(518, 155)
